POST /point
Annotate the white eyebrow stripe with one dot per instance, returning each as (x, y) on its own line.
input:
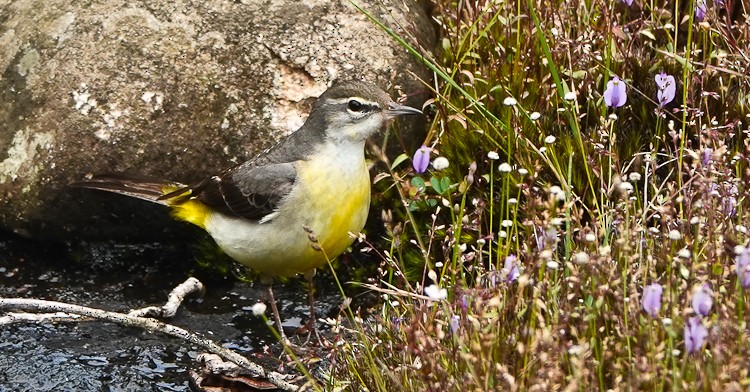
(361, 100)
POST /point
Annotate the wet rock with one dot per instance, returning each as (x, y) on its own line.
(174, 89)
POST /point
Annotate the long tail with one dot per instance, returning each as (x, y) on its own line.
(142, 187)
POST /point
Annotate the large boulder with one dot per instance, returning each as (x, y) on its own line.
(174, 89)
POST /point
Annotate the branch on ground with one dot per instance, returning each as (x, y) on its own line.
(46, 311)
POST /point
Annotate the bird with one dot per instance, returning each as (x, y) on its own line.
(291, 208)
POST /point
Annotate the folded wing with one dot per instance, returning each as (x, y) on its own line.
(249, 190)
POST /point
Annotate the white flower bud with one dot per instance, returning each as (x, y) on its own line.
(440, 163)
(259, 309)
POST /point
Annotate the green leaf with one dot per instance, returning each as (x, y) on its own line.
(648, 34)
(580, 74)
(445, 183)
(436, 185)
(718, 54)
(418, 183)
(398, 160)
(684, 272)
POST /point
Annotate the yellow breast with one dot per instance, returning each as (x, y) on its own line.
(338, 200)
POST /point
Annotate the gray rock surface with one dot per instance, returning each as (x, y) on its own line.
(174, 89)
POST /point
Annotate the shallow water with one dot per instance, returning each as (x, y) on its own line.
(89, 356)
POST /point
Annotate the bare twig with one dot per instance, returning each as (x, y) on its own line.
(191, 285)
(148, 324)
(168, 310)
(213, 370)
(394, 291)
(39, 318)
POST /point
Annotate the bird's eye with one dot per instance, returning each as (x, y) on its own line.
(355, 105)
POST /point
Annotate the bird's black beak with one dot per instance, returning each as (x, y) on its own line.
(395, 110)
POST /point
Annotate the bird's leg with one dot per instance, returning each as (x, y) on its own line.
(276, 315)
(311, 324)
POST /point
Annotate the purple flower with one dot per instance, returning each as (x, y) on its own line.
(667, 88)
(628, 2)
(615, 95)
(454, 324)
(706, 155)
(700, 10)
(545, 238)
(695, 335)
(720, 3)
(742, 267)
(703, 299)
(729, 203)
(726, 194)
(421, 159)
(652, 299)
(510, 269)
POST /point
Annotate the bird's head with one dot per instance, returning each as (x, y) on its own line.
(355, 110)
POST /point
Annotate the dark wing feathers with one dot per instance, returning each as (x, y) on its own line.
(249, 191)
(139, 186)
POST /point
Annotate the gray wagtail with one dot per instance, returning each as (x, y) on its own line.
(291, 208)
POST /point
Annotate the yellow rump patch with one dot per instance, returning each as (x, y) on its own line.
(191, 211)
(188, 210)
